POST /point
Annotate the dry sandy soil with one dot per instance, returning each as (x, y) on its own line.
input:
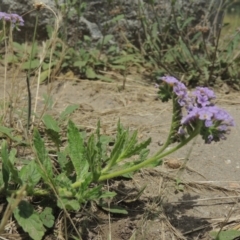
(208, 194)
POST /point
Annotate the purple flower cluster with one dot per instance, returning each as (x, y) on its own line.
(203, 96)
(199, 108)
(179, 89)
(13, 18)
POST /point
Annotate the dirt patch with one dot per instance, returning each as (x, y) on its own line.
(177, 203)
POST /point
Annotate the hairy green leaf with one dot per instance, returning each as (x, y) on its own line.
(90, 73)
(44, 75)
(117, 18)
(108, 194)
(104, 78)
(35, 63)
(113, 208)
(45, 166)
(118, 147)
(51, 123)
(225, 235)
(80, 64)
(29, 174)
(68, 111)
(47, 217)
(8, 132)
(29, 220)
(106, 39)
(68, 204)
(77, 151)
(5, 167)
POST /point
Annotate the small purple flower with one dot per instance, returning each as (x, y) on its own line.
(16, 19)
(203, 100)
(204, 91)
(203, 96)
(5, 16)
(169, 80)
(208, 123)
(180, 89)
(205, 113)
(221, 115)
(13, 18)
(209, 138)
(222, 128)
(192, 115)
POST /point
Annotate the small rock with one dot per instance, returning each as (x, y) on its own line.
(173, 163)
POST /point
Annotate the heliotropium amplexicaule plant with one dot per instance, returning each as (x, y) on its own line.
(196, 111)
(193, 113)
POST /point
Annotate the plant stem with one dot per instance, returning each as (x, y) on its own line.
(152, 159)
(29, 72)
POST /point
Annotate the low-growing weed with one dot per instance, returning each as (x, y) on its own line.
(68, 168)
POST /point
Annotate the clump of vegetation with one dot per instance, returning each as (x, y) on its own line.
(76, 171)
(179, 48)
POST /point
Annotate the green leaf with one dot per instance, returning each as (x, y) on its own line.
(5, 168)
(92, 193)
(80, 64)
(46, 166)
(29, 174)
(44, 75)
(9, 171)
(187, 22)
(124, 59)
(34, 64)
(51, 123)
(118, 147)
(68, 204)
(106, 39)
(63, 182)
(77, 151)
(225, 235)
(18, 47)
(34, 48)
(129, 145)
(111, 49)
(137, 148)
(12, 155)
(108, 194)
(119, 67)
(47, 217)
(48, 100)
(104, 78)
(8, 132)
(55, 137)
(90, 73)
(29, 220)
(52, 129)
(1, 181)
(14, 173)
(11, 58)
(113, 208)
(92, 157)
(117, 18)
(68, 111)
